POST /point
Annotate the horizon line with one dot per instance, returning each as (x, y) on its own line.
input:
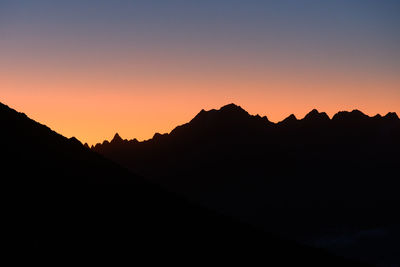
(238, 106)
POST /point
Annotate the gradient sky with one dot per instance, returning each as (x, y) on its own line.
(92, 68)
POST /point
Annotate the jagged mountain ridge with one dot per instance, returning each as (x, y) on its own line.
(217, 133)
(61, 211)
(45, 151)
(235, 115)
(326, 174)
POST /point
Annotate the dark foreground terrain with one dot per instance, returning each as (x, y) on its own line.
(71, 204)
(328, 182)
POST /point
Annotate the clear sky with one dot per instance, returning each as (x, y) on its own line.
(92, 68)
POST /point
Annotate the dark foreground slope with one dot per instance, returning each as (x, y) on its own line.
(69, 201)
(329, 182)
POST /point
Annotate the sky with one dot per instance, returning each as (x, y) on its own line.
(90, 69)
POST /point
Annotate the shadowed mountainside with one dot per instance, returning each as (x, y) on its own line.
(354, 154)
(333, 176)
(68, 204)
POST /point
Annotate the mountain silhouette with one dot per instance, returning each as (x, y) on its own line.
(334, 176)
(289, 120)
(72, 202)
(315, 116)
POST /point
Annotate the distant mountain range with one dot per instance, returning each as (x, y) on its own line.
(356, 155)
(318, 179)
(71, 204)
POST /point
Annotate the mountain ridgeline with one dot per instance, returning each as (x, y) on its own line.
(72, 204)
(334, 177)
(349, 160)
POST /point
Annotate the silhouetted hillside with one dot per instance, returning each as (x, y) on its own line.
(67, 204)
(331, 177)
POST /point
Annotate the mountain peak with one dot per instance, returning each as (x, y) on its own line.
(232, 108)
(291, 118)
(359, 113)
(392, 116)
(346, 115)
(378, 116)
(316, 115)
(117, 139)
(233, 111)
(227, 111)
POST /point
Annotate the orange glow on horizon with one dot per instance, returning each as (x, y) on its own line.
(97, 114)
(137, 96)
(91, 70)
